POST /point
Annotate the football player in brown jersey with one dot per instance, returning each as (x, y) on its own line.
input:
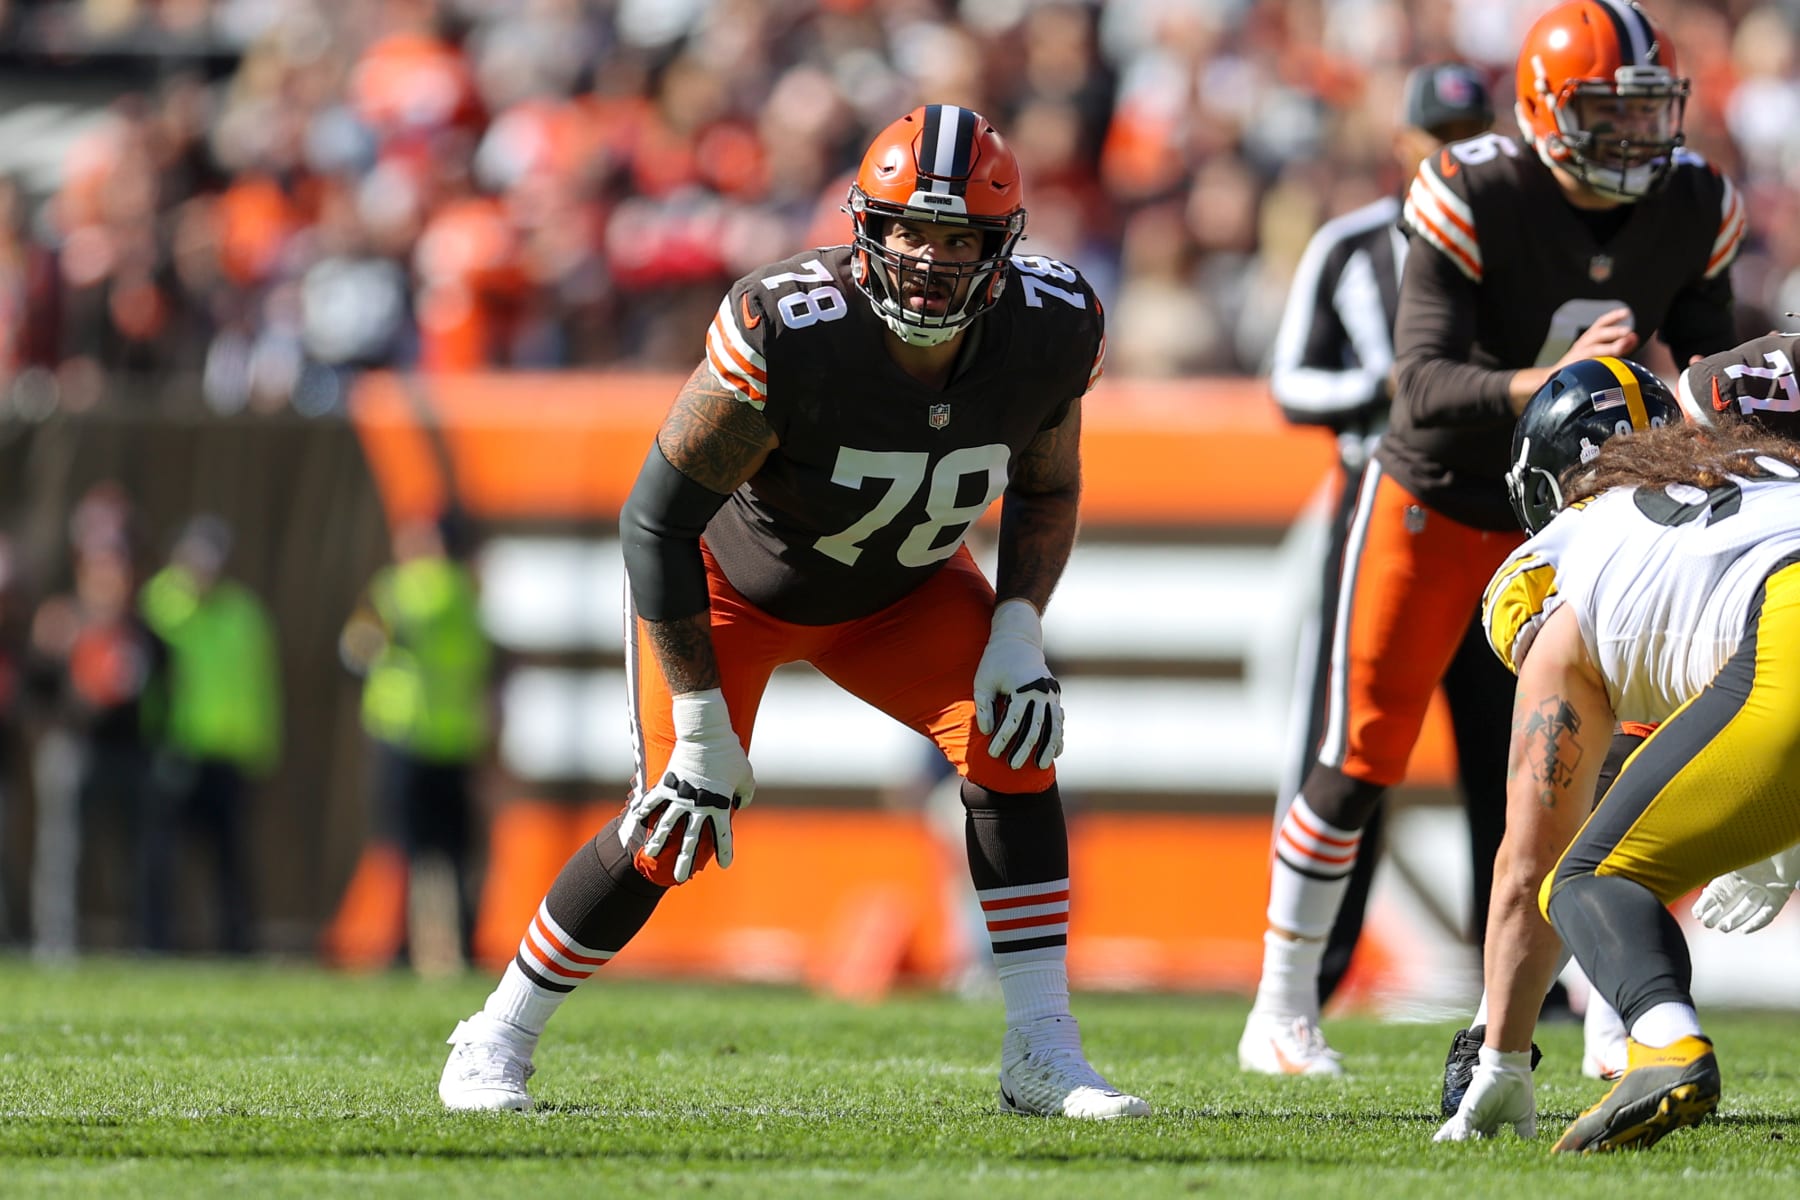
(806, 499)
(1598, 232)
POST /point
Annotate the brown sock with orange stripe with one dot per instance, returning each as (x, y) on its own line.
(1019, 862)
(598, 903)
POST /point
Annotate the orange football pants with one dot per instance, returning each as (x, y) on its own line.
(1411, 583)
(914, 660)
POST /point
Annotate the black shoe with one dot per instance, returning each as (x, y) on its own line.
(1460, 1063)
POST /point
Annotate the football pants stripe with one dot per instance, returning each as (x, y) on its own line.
(1335, 742)
(634, 698)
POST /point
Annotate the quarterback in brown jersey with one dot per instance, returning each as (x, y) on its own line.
(1583, 240)
(806, 499)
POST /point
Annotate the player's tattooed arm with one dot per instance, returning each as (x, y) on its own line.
(718, 441)
(1041, 513)
(684, 651)
(1561, 726)
(1548, 737)
(712, 437)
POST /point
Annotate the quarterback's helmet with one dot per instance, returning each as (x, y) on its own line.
(1566, 420)
(948, 166)
(1599, 97)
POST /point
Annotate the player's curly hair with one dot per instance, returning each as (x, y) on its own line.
(1684, 453)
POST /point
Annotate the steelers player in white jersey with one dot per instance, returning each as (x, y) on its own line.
(1660, 584)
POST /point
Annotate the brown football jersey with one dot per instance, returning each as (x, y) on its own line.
(878, 476)
(1754, 380)
(1505, 274)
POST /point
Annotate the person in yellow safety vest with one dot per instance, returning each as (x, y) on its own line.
(417, 640)
(213, 720)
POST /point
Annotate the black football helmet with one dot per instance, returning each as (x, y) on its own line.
(1566, 420)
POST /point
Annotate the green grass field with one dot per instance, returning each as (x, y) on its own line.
(120, 1078)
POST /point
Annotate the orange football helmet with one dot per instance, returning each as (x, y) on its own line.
(944, 165)
(1599, 97)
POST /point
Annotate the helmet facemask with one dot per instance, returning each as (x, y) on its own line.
(1619, 136)
(890, 279)
(1535, 493)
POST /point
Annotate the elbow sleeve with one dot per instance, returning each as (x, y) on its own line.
(660, 528)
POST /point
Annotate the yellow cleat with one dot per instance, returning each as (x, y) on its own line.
(1663, 1089)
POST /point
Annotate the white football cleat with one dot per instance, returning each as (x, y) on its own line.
(1274, 1045)
(1043, 1073)
(487, 1069)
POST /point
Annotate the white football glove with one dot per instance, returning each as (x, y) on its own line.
(1499, 1094)
(707, 778)
(1013, 670)
(1748, 898)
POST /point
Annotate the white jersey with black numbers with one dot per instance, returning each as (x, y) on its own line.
(1662, 582)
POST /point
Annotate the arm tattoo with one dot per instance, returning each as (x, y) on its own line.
(712, 437)
(1040, 514)
(684, 651)
(1551, 755)
(718, 441)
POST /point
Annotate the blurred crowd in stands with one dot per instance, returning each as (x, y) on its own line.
(540, 183)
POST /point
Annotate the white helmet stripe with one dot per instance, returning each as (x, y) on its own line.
(943, 155)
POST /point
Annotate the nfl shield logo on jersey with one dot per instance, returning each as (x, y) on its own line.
(1600, 268)
(938, 416)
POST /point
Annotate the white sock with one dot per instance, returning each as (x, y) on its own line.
(1665, 1024)
(554, 955)
(1290, 977)
(521, 1003)
(1034, 990)
(1481, 1015)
